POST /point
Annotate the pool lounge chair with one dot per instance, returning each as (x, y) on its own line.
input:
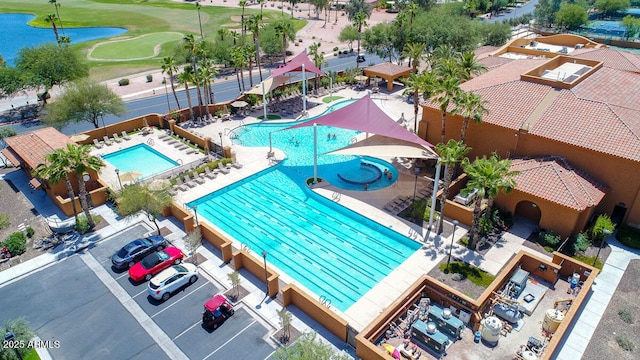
(190, 183)
(106, 140)
(199, 179)
(97, 144)
(236, 165)
(125, 135)
(116, 138)
(222, 169)
(180, 185)
(208, 173)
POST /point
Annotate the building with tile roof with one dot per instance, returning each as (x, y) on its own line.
(558, 97)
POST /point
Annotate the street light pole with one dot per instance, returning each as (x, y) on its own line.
(606, 233)
(221, 150)
(118, 175)
(415, 185)
(453, 235)
(166, 92)
(104, 127)
(195, 213)
(266, 276)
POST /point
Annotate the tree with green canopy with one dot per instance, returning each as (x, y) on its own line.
(489, 176)
(138, 197)
(47, 65)
(83, 100)
(355, 7)
(309, 346)
(170, 67)
(631, 25)
(284, 29)
(571, 16)
(56, 168)
(22, 334)
(186, 77)
(470, 106)
(610, 7)
(450, 154)
(348, 34)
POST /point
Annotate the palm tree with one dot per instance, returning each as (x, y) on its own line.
(490, 177)
(284, 28)
(186, 77)
(57, 6)
(261, 2)
(222, 32)
(415, 53)
(355, 7)
(209, 73)
(249, 54)
(255, 26)
(81, 163)
(359, 20)
(419, 84)
(469, 66)
(51, 18)
(198, 6)
(55, 169)
(450, 154)
(470, 106)
(318, 60)
(190, 46)
(170, 67)
(239, 61)
(242, 3)
(447, 90)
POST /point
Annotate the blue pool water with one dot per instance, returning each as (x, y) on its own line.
(141, 158)
(331, 250)
(16, 34)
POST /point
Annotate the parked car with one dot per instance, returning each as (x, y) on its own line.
(171, 280)
(216, 311)
(360, 58)
(154, 263)
(136, 250)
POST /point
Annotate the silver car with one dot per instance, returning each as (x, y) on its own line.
(172, 279)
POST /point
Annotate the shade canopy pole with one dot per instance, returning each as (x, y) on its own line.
(304, 92)
(315, 153)
(436, 181)
(264, 103)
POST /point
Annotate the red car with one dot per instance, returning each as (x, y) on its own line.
(154, 263)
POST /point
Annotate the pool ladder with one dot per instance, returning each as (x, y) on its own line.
(150, 142)
(336, 196)
(325, 301)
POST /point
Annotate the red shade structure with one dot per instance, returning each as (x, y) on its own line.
(300, 62)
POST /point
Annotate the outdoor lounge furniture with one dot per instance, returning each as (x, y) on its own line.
(236, 165)
(180, 185)
(97, 144)
(208, 173)
(189, 182)
(222, 168)
(199, 179)
(106, 140)
(116, 138)
(125, 135)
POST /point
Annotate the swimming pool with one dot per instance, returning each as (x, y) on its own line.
(141, 158)
(331, 250)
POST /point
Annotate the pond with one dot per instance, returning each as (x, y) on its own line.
(15, 27)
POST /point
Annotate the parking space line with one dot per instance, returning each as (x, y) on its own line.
(228, 341)
(141, 292)
(269, 356)
(189, 294)
(185, 330)
(126, 273)
(154, 331)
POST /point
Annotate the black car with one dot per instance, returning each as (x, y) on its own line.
(360, 58)
(136, 250)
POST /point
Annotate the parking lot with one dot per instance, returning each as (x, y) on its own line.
(89, 310)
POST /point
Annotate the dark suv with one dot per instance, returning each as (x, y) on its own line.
(136, 250)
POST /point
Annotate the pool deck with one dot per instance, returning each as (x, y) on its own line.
(367, 203)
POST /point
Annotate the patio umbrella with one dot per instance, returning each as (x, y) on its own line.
(239, 104)
(159, 184)
(79, 137)
(130, 176)
(361, 78)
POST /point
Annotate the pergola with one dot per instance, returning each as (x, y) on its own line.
(388, 71)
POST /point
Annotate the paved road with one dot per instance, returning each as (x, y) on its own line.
(527, 8)
(224, 90)
(88, 307)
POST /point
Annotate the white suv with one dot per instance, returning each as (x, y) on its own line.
(172, 279)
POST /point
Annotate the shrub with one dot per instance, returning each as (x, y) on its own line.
(626, 316)
(82, 225)
(420, 210)
(549, 238)
(581, 243)
(624, 342)
(336, 48)
(30, 232)
(123, 82)
(484, 226)
(16, 243)
(629, 236)
(149, 78)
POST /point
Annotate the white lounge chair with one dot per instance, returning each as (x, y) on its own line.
(180, 185)
(236, 165)
(222, 169)
(208, 173)
(116, 138)
(125, 135)
(199, 179)
(106, 140)
(190, 183)
(97, 144)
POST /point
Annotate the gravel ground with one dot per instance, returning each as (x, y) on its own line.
(603, 344)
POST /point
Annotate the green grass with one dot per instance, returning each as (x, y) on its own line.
(270, 117)
(32, 355)
(474, 274)
(133, 48)
(329, 99)
(629, 236)
(139, 17)
(589, 260)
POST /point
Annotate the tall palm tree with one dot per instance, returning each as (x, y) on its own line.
(318, 60)
(209, 73)
(242, 3)
(419, 84)
(415, 52)
(255, 26)
(222, 32)
(186, 77)
(469, 66)
(51, 18)
(170, 67)
(81, 162)
(249, 54)
(489, 176)
(450, 154)
(447, 90)
(261, 2)
(284, 28)
(55, 169)
(239, 61)
(57, 6)
(355, 7)
(198, 6)
(470, 106)
(359, 20)
(190, 46)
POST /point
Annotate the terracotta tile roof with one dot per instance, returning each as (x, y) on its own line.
(494, 61)
(611, 86)
(387, 68)
(509, 71)
(33, 146)
(615, 59)
(554, 179)
(484, 51)
(589, 124)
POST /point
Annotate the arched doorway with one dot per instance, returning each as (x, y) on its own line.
(528, 210)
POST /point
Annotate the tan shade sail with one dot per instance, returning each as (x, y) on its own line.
(382, 146)
(269, 84)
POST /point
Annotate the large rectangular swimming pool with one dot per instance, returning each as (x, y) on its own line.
(141, 158)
